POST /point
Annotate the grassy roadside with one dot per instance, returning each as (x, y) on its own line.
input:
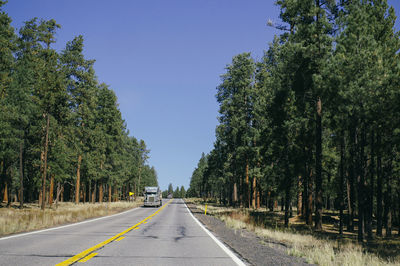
(317, 248)
(14, 220)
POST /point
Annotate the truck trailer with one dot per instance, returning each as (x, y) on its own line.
(152, 196)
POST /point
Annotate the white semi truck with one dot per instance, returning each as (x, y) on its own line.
(152, 196)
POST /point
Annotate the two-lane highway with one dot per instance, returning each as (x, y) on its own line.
(144, 236)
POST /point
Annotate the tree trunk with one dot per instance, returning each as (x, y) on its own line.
(318, 167)
(299, 196)
(247, 189)
(288, 186)
(51, 190)
(235, 197)
(398, 212)
(351, 178)
(40, 198)
(361, 194)
(115, 194)
(287, 205)
(304, 196)
(100, 192)
(370, 208)
(109, 193)
(78, 179)
(46, 146)
(21, 174)
(309, 205)
(5, 195)
(341, 180)
(254, 192)
(84, 193)
(62, 193)
(388, 201)
(379, 177)
(94, 192)
(90, 191)
(58, 194)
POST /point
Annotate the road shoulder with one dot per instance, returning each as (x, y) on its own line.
(251, 248)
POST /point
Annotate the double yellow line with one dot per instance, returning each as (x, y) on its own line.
(88, 253)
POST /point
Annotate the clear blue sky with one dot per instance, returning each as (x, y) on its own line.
(163, 58)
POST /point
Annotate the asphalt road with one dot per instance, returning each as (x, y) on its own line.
(143, 236)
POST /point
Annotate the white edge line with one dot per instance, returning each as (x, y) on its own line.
(68, 225)
(219, 243)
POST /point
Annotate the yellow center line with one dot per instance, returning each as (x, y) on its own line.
(85, 259)
(86, 252)
(137, 228)
(119, 239)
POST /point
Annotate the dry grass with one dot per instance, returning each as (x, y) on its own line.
(321, 252)
(317, 250)
(14, 220)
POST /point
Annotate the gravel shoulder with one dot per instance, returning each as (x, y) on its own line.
(251, 248)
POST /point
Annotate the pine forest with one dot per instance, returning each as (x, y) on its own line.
(313, 125)
(62, 137)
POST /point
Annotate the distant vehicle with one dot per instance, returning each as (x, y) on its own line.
(152, 196)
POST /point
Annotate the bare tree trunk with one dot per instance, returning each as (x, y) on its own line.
(351, 180)
(109, 193)
(62, 193)
(370, 209)
(84, 193)
(51, 190)
(21, 174)
(318, 168)
(46, 145)
(288, 186)
(254, 192)
(379, 177)
(341, 180)
(299, 196)
(235, 197)
(78, 179)
(247, 189)
(94, 192)
(287, 204)
(100, 192)
(89, 184)
(398, 213)
(388, 201)
(360, 181)
(5, 195)
(40, 198)
(309, 205)
(58, 194)
(115, 194)
(241, 192)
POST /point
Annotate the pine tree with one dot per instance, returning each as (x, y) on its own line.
(8, 133)
(81, 85)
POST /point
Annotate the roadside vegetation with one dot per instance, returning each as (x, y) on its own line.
(308, 140)
(62, 135)
(15, 220)
(317, 247)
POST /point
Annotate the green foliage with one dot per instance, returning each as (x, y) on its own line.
(318, 111)
(38, 83)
